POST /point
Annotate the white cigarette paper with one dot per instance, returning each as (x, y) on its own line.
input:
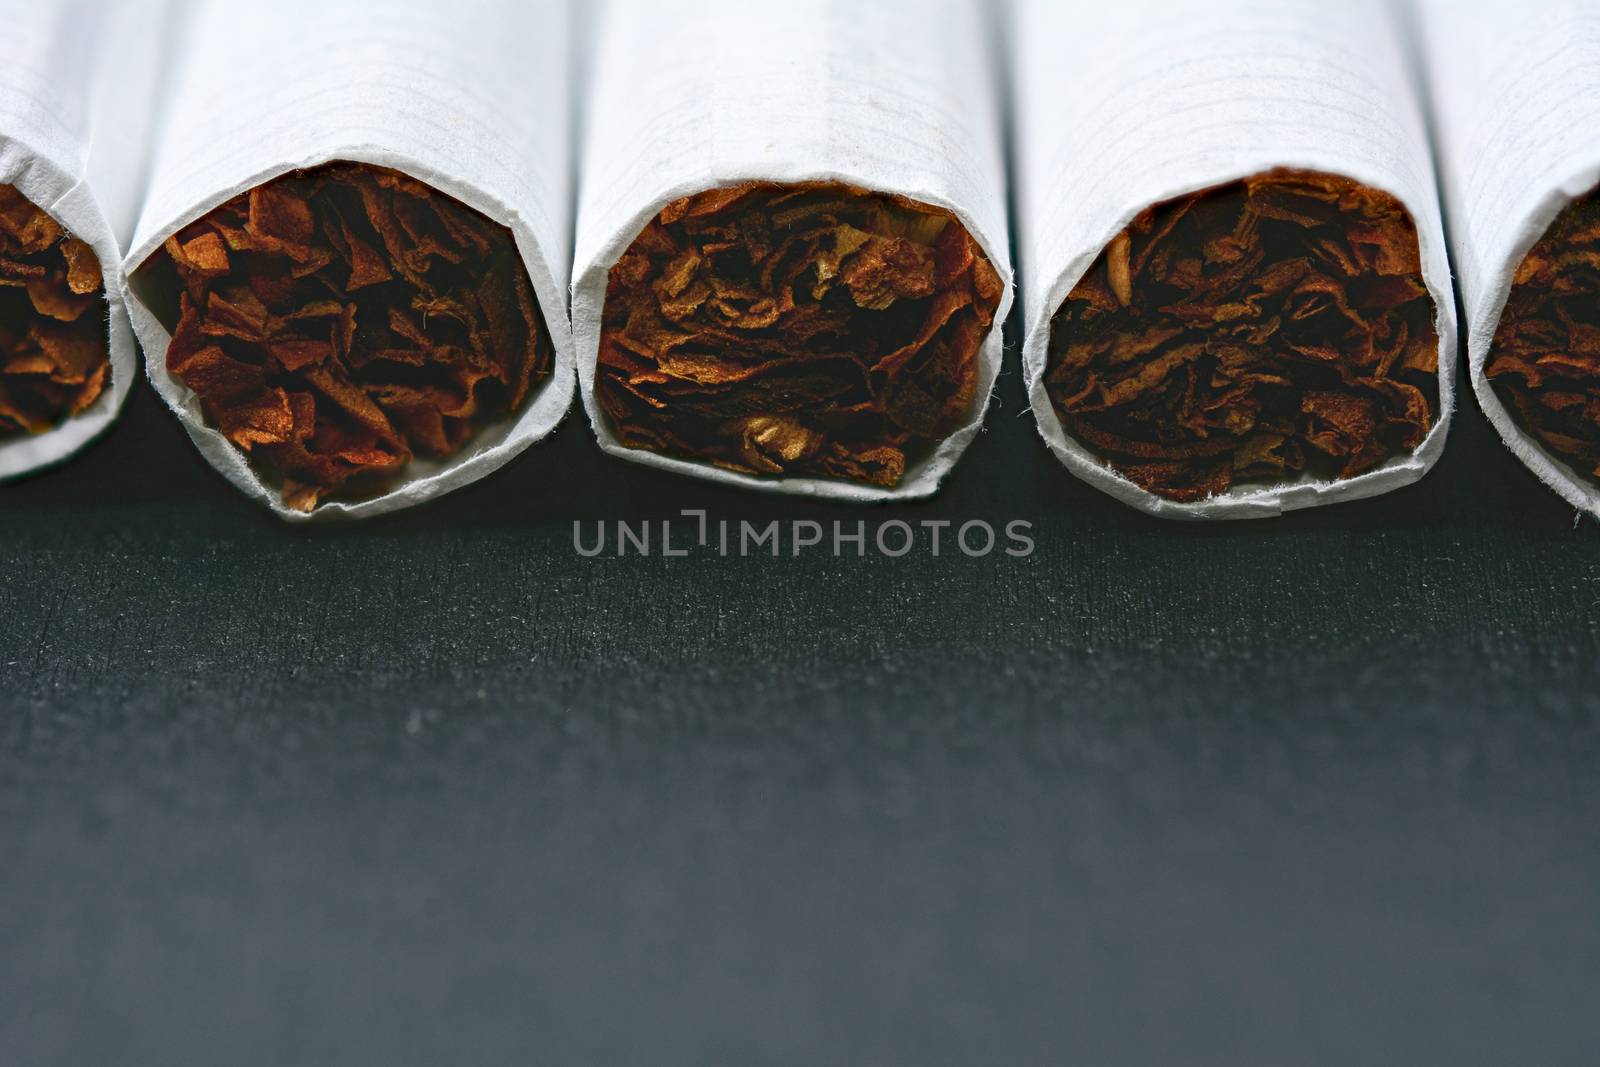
(471, 98)
(77, 86)
(1516, 95)
(894, 96)
(1122, 106)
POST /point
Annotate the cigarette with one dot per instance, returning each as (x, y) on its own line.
(78, 92)
(1242, 302)
(792, 265)
(1544, 361)
(52, 335)
(799, 329)
(350, 272)
(339, 322)
(1510, 85)
(1269, 329)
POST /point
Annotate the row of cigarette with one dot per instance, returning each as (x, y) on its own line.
(371, 248)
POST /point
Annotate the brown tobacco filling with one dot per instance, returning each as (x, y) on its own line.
(796, 329)
(1545, 360)
(1264, 330)
(54, 354)
(337, 322)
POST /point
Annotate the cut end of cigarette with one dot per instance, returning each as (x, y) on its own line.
(336, 323)
(814, 329)
(1260, 332)
(1545, 359)
(54, 348)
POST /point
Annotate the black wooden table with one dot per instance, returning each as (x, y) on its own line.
(437, 790)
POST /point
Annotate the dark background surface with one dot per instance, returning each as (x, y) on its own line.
(434, 790)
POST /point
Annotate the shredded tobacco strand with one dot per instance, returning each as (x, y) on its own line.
(1545, 358)
(813, 329)
(337, 322)
(54, 350)
(1258, 332)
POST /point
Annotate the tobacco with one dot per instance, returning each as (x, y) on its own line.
(54, 349)
(815, 329)
(338, 322)
(1254, 333)
(1545, 357)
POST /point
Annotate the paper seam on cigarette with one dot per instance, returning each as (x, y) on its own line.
(1160, 100)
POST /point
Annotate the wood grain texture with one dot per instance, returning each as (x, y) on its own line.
(432, 789)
